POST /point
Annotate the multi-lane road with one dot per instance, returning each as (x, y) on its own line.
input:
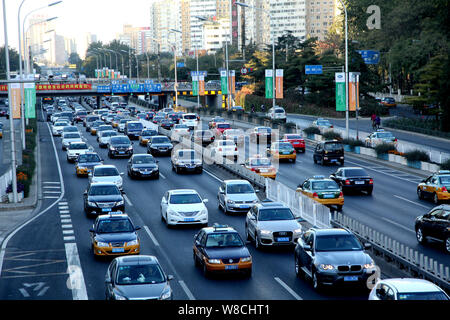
(51, 257)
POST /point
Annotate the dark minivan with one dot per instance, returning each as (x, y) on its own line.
(330, 151)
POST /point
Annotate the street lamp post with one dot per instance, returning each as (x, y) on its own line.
(175, 63)
(346, 71)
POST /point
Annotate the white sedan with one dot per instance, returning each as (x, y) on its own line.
(106, 173)
(105, 136)
(224, 149)
(183, 206)
(179, 131)
(58, 127)
(75, 149)
(69, 137)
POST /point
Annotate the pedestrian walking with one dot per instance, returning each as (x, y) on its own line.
(378, 122)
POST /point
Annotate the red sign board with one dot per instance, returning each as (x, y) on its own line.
(52, 87)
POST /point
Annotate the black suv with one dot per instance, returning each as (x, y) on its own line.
(330, 151)
(120, 146)
(331, 257)
(434, 224)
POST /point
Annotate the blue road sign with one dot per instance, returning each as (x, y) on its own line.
(370, 56)
(313, 69)
(180, 64)
(103, 89)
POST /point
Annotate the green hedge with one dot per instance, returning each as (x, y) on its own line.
(26, 171)
(417, 155)
(445, 165)
(332, 135)
(311, 130)
(353, 142)
(384, 148)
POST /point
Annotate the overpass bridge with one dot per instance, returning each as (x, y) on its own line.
(101, 88)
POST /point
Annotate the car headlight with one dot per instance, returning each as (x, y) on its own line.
(119, 297)
(299, 230)
(204, 211)
(102, 244)
(246, 259)
(130, 148)
(112, 148)
(119, 203)
(133, 243)
(214, 261)
(255, 201)
(167, 293)
(230, 201)
(326, 267)
(91, 204)
(266, 232)
(369, 265)
(172, 212)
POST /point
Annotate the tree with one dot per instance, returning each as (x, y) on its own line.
(13, 61)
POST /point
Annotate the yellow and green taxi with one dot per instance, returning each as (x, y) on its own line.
(114, 234)
(323, 190)
(145, 136)
(435, 187)
(282, 150)
(95, 126)
(86, 162)
(1, 130)
(115, 122)
(262, 166)
(220, 248)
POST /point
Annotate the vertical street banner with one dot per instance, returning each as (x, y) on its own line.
(269, 84)
(233, 81)
(279, 83)
(224, 81)
(353, 91)
(194, 83)
(30, 100)
(15, 100)
(340, 91)
(201, 84)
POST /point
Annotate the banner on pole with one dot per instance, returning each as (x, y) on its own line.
(340, 91)
(269, 84)
(15, 100)
(233, 81)
(30, 100)
(353, 92)
(201, 85)
(279, 83)
(195, 85)
(224, 81)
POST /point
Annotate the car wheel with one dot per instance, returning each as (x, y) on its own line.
(435, 198)
(257, 244)
(315, 282)
(420, 236)
(339, 208)
(420, 194)
(369, 192)
(447, 244)
(248, 273)
(206, 273)
(322, 162)
(315, 160)
(342, 163)
(294, 160)
(298, 269)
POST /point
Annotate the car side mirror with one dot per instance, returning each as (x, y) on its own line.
(205, 200)
(121, 173)
(307, 247)
(137, 228)
(170, 277)
(85, 193)
(197, 243)
(380, 292)
(91, 230)
(257, 190)
(123, 192)
(367, 246)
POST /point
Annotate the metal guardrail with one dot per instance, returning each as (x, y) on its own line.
(406, 258)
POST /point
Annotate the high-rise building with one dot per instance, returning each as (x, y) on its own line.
(320, 16)
(215, 33)
(202, 8)
(166, 15)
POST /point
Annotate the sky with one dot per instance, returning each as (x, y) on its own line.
(103, 18)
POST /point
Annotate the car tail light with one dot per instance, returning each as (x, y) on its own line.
(444, 189)
(341, 194)
(331, 126)
(395, 139)
(371, 181)
(220, 149)
(235, 149)
(315, 195)
(347, 182)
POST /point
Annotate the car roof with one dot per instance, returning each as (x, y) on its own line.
(105, 166)
(218, 228)
(236, 181)
(270, 205)
(183, 191)
(412, 285)
(331, 231)
(95, 184)
(113, 215)
(137, 260)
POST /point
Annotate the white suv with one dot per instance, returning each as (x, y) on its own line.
(189, 119)
(277, 113)
(106, 173)
(183, 206)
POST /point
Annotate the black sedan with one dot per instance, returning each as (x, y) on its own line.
(103, 197)
(143, 166)
(167, 124)
(120, 146)
(353, 179)
(434, 225)
(160, 145)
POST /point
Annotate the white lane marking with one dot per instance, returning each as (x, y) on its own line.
(288, 289)
(162, 176)
(417, 204)
(64, 211)
(67, 231)
(127, 200)
(66, 221)
(50, 197)
(76, 279)
(397, 224)
(67, 226)
(51, 192)
(150, 234)
(63, 203)
(51, 187)
(212, 175)
(186, 290)
(69, 238)
(64, 216)
(51, 182)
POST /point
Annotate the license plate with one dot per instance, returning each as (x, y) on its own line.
(145, 172)
(359, 182)
(263, 170)
(189, 219)
(106, 209)
(117, 250)
(283, 239)
(244, 207)
(351, 278)
(121, 152)
(333, 160)
(328, 196)
(232, 267)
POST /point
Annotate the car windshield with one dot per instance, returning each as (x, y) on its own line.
(70, 129)
(239, 188)
(341, 242)
(88, 158)
(97, 124)
(135, 125)
(219, 119)
(91, 119)
(260, 162)
(264, 130)
(143, 159)
(279, 111)
(437, 295)
(61, 124)
(105, 172)
(332, 146)
(78, 146)
(109, 134)
(140, 274)
(293, 136)
(149, 133)
(120, 140)
(81, 113)
(181, 126)
(189, 116)
(104, 191)
(323, 123)
(226, 143)
(324, 185)
(223, 125)
(161, 140)
(114, 226)
(185, 198)
(355, 173)
(275, 214)
(285, 146)
(444, 179)
(224, 240)
(71, 136)
(104, 128)
(385, 135)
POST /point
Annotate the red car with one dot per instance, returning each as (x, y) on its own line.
(222, 126)
(296, 140)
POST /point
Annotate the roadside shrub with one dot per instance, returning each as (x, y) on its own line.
(353, 142)
(445, 165)
(383, 148)
(332, 135)
(311, 130)
(417, 155)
